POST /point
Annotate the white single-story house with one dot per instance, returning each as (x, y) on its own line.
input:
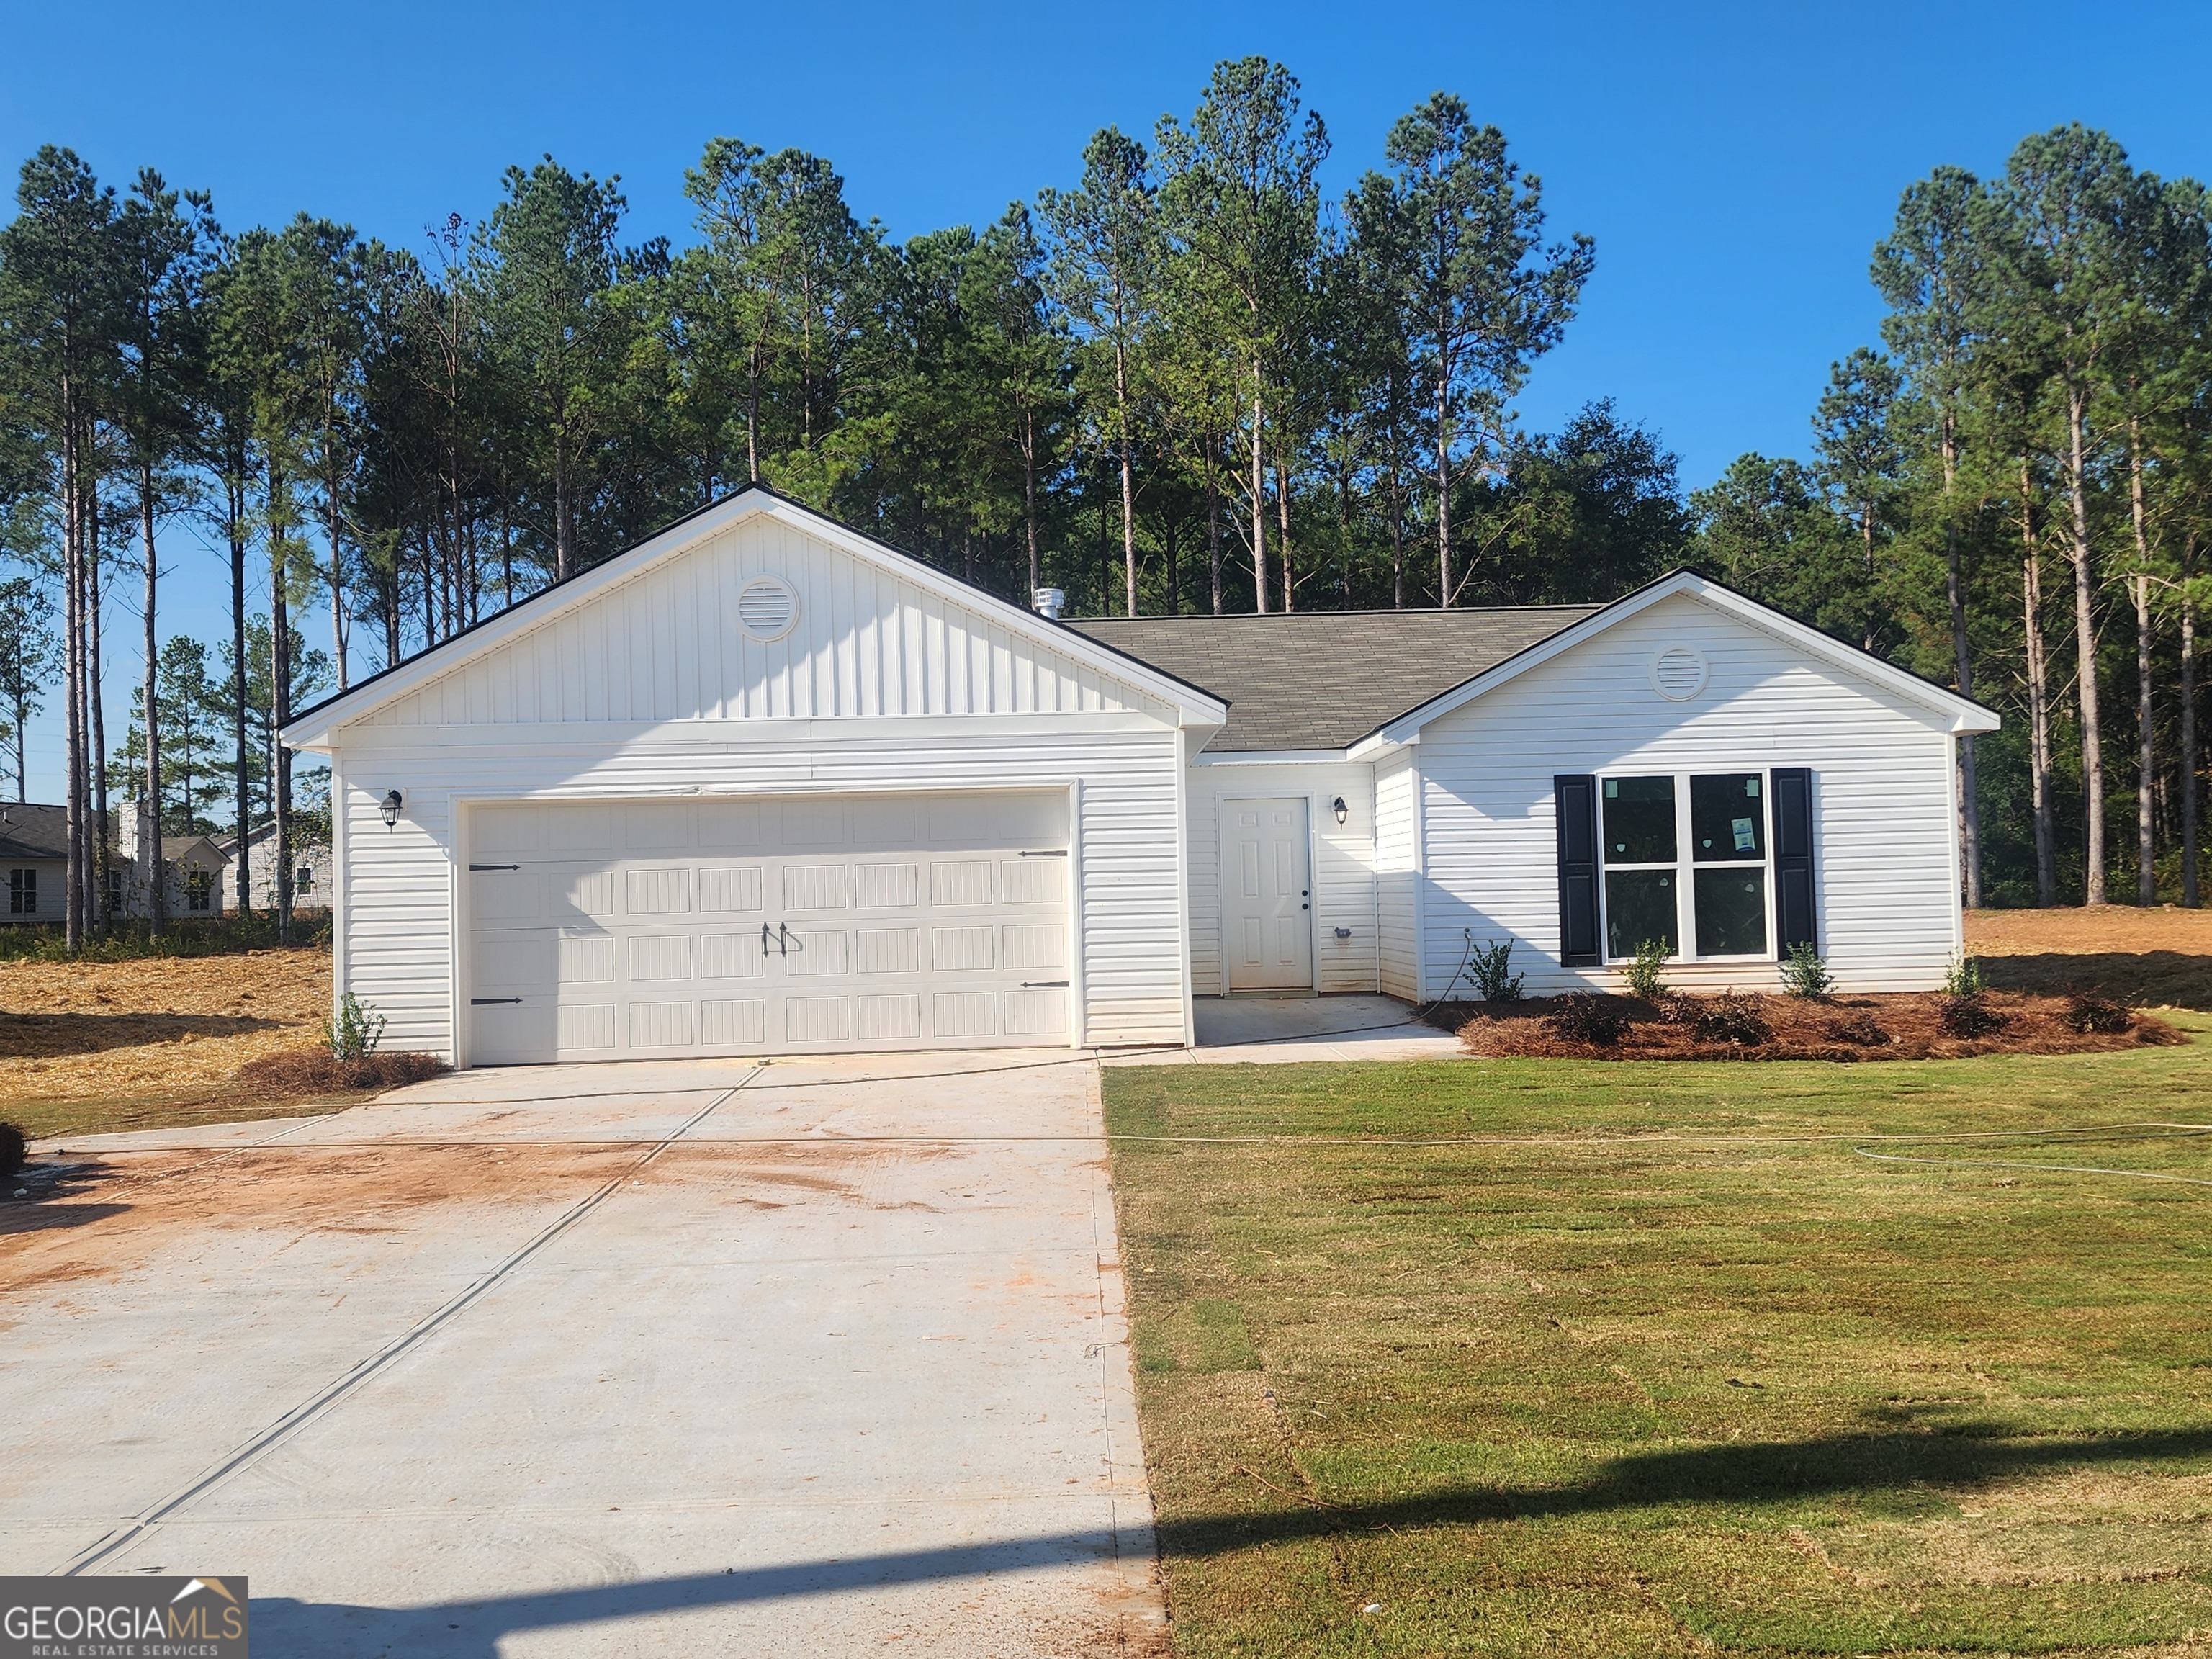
(762, 784)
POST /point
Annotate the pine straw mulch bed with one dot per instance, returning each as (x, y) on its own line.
(317, 1072)
(1897, 1025)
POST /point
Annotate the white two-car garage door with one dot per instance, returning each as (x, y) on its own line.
(614, 929)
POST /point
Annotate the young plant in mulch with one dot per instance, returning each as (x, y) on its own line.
(1491, 967)
(2087, 1013)
(1732, 1018)
(1586, 1017)
(347, 1061)
(1969, 1017)
(1644, 970)
(1805, 973)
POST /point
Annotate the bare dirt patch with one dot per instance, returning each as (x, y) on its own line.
(113, 1213)
(1900, 1026)
(2153, 958)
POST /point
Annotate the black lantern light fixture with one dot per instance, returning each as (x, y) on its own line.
(390, 808)
(1341, 811)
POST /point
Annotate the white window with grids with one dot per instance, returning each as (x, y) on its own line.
(1687, 862)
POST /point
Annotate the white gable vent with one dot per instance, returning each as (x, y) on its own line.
(1679, 672)
(767, 609)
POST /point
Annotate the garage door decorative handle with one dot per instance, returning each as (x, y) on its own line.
(485, 1002)
(1053, 853)
(1044, 985)
(494, 866)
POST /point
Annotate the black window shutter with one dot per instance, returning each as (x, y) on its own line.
(1794, 906)
(1575, 802)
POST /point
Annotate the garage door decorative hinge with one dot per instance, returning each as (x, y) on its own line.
(481, 1002)
(494, 866)
(1044, 985)
(1049, 852)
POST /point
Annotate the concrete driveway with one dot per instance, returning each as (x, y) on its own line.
(816, 1356)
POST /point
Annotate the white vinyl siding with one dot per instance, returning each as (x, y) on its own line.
(1397, 871)
(1343, 873)
(666, 644)
(1885, 865)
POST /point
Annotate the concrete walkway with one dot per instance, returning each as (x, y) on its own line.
(643, 1359)
(1284, 1031)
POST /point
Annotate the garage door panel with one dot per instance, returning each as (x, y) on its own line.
(656, 892)
(725, 888)
(659, 956)
(586, 958)
(585, 1030)
(746, 926)
(886, 886)
(817, 887)
(816, 1020)
(1032, 881)
(727, 1022)
(814, 951)
(731, 956)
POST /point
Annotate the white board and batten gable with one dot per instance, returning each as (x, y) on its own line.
(760, 652)
(1686, 677)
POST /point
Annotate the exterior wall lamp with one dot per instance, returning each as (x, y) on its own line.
(1341, 811)
(389, 809)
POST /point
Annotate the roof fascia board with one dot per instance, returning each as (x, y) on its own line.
(1189, 700)
(1270, 757)
(1964, 715)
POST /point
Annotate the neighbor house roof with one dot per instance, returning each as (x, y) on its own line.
(32, 831)
(1324, 679)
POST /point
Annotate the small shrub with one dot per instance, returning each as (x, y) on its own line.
(14, 1145)
(1733, 1017)
(1964, 978)
(353, 1032)
(1491, 965)
(2088, 1014)
(1969, 1017)
(1584, 1017)
(1861, 1031)
(1643, 970)
(1805, 973)
(1677, 1007)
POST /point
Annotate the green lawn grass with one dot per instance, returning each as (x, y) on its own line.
(1668, 1366)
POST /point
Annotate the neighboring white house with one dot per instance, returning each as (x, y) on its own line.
(35, 861)
(202, 870)
(762, 784)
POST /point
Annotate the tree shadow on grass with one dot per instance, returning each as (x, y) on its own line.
(1968, 1456)
(56, 1036)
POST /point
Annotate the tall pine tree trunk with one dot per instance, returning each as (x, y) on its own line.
(235, 491)
(1029, 500)
(1128, 475)
(1259, 496)
(2085, 643)
(2189, 896)
(99, 902)
(280, 697)
(1970, 808)
(1283, 534)
(74, 877)
(1443, 503)
(2146, 758)
(2039, 700)
(157, 906)
(1213, 521)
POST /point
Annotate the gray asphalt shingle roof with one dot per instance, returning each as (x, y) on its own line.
(1324, 679)
(28, 830)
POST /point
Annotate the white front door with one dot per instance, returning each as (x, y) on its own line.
(1267, 896)
(602, 930)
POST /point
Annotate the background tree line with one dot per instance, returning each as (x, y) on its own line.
(1187, 382)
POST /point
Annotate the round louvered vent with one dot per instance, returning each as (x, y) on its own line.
(767, 609)
(1679, 672)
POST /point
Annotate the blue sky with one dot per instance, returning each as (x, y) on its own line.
(1736, 164)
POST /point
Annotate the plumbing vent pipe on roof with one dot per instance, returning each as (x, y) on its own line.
(1050, 602)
